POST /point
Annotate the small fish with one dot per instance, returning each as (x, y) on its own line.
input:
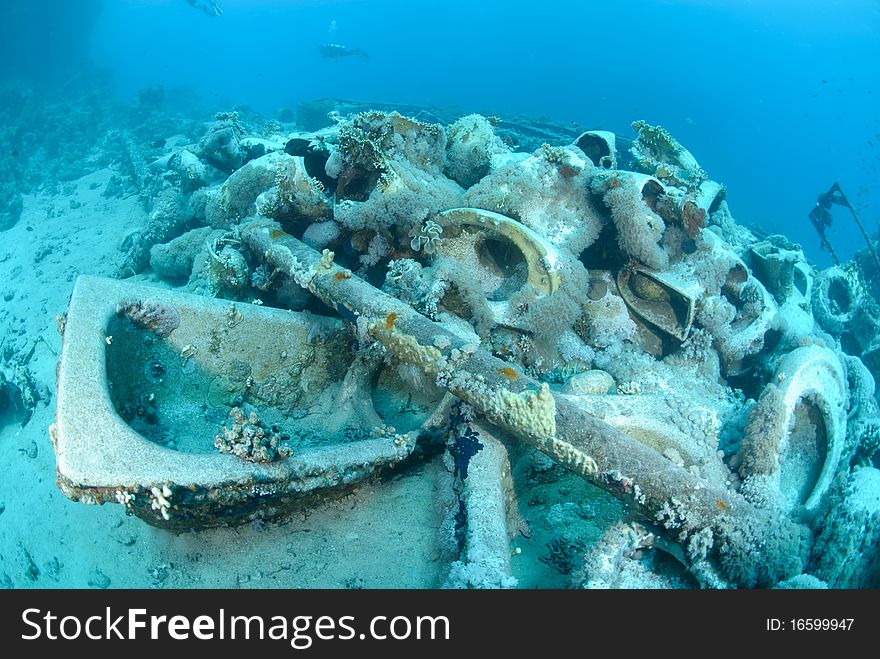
(335, 51)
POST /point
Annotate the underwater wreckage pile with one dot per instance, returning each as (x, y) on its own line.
(372, 290)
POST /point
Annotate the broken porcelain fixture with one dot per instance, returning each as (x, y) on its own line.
(600, 146)
(837, 296)
(783, 269)
(797, 432)
(505, 254)
(710, 195)
(174, 364)
(660, 299)
(741, 312)
(296, 195)
(655, 421)
(314, 151)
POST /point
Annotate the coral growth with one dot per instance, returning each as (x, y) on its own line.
(471, 147)
(249, 440)
(426, 237)
(321, 234)
(405, 196)
(295, 196)
(693, 218)
(549, 193)
(659, 154)
(630, 198)
(221, 146)
(160, 317)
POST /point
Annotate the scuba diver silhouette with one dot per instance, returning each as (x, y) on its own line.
(210, 7)
(335, 51)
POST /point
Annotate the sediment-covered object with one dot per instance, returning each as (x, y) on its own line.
(796, 433)
(576, 293)
(752, 547)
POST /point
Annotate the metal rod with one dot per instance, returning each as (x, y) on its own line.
(845, 202)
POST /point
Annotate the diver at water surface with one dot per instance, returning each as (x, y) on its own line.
(335, 51)
(210, 7)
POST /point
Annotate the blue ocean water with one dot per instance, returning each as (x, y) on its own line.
(776, 99)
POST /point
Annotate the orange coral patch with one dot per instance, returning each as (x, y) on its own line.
(508, 372)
